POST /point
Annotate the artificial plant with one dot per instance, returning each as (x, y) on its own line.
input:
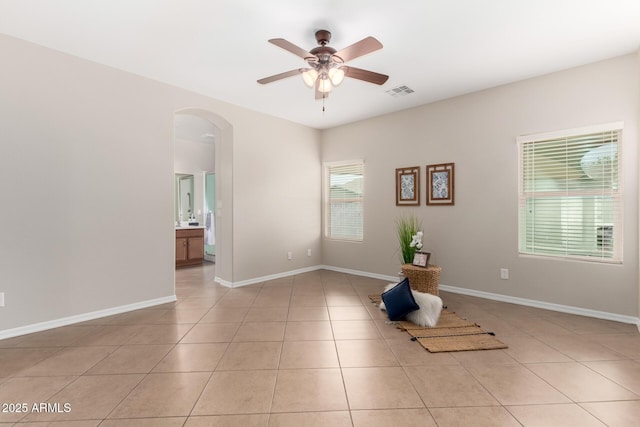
(407, 229)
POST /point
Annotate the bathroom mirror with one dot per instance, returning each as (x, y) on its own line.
(184, 197)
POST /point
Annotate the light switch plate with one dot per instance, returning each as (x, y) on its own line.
(1, 299)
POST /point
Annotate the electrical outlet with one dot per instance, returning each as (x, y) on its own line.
(289, 255)
(1, 299)
(308, 252)
(504, 273)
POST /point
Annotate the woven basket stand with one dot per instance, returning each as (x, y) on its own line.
(423, 279)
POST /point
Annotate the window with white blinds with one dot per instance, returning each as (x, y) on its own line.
(344, 198)
(570, 196)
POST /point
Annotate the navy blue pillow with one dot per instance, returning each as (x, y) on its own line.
(399, 301)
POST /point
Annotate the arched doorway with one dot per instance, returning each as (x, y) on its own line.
(222, 139)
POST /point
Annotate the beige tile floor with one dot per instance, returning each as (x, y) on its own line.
(311, 350)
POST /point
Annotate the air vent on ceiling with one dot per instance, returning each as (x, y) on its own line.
(400, 91)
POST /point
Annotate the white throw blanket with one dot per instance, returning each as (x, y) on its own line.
(430, 308)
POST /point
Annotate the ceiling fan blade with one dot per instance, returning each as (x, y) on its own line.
(365, 75)
(280, 76)
(364, 46)
(287, 45)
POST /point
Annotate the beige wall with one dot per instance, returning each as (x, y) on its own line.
(475, 238)
(87, 154)
(277, 188)
(75, 135)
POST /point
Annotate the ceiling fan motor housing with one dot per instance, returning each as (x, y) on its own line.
(324, 53)
(323, 37)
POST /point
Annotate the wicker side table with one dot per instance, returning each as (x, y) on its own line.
(423, 279)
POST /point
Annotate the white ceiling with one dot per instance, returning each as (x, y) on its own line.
(438, 48)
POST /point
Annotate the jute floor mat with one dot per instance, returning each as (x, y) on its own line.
(452, 333)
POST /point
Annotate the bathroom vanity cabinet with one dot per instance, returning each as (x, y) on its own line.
(189, 246)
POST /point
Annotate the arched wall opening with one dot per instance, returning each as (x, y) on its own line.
(223, 190)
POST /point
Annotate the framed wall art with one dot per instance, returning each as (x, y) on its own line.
(440, 183)
(408, 186)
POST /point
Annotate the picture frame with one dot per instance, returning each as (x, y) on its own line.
(408, 186)
(421, 259)
(440, 183)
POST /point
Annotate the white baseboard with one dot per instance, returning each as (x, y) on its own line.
(23, 330)
(506, 298)
(360, 273)
(43, 326)
(255, 280)
(544, 305)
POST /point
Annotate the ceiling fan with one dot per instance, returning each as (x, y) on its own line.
(326, 65)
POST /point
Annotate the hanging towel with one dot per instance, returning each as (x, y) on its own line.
(209, 235)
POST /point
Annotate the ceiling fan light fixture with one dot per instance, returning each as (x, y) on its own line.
(336, 75)
(324, 85)
(309, 77)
